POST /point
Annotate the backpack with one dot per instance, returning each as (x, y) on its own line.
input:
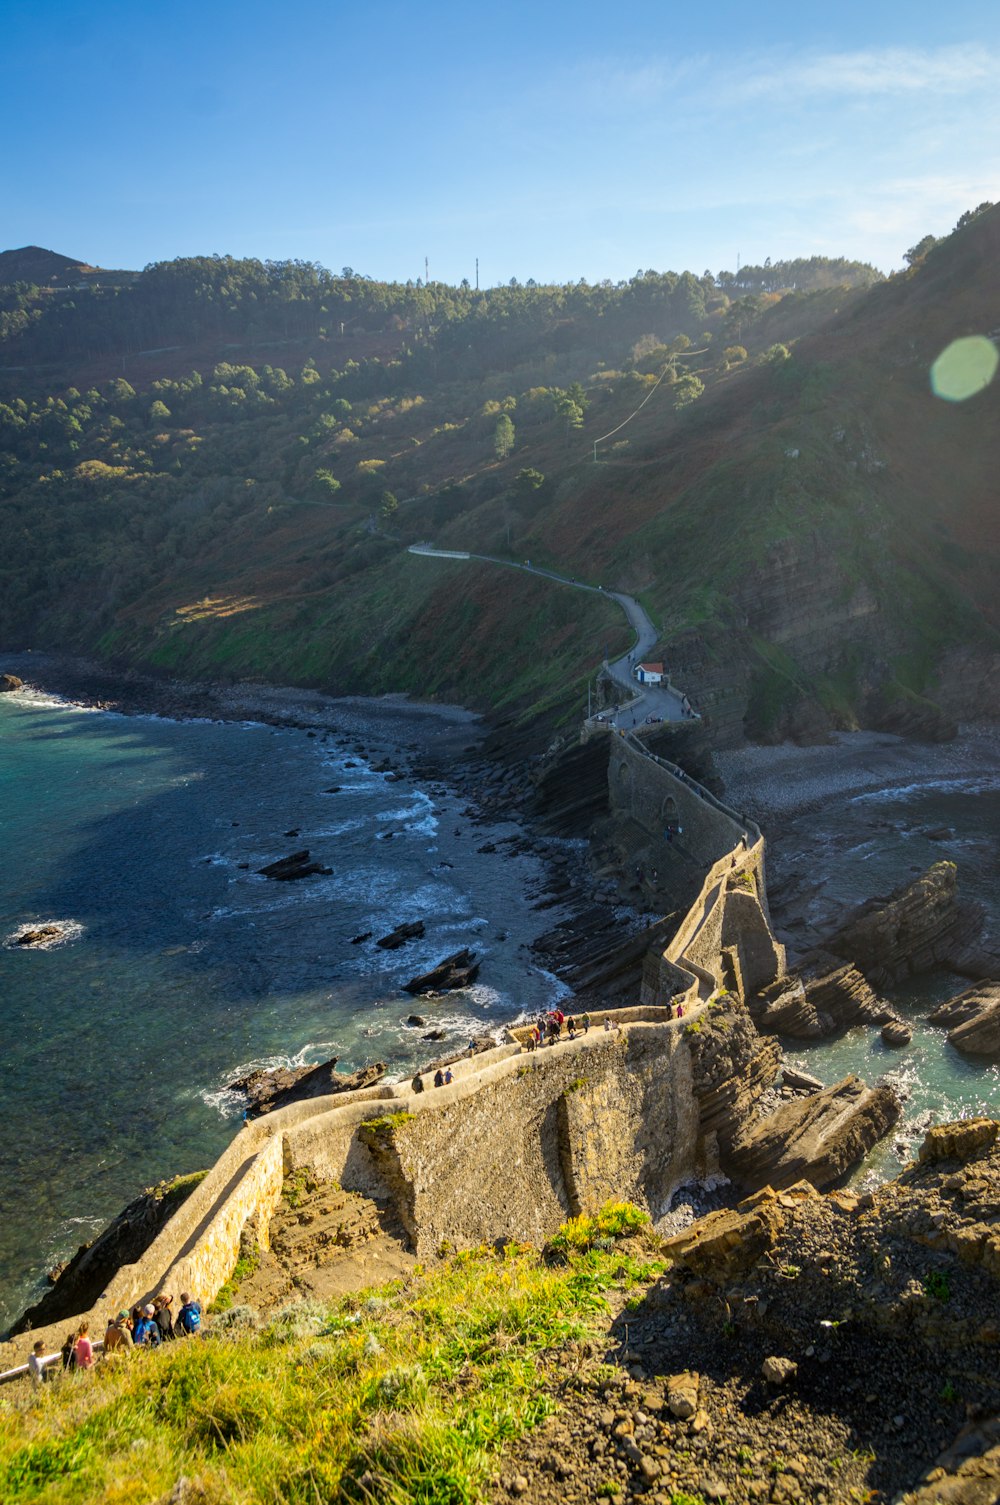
(189, 1317)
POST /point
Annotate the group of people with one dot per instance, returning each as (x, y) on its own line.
(145, 1326)
(548, 1028)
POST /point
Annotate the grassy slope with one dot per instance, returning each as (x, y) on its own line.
(408, 1394)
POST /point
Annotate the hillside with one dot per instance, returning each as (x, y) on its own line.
(216, 468)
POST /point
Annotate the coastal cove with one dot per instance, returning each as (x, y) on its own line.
(183, 967)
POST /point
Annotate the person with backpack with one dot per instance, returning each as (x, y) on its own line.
(68, 1352)
(189, 1316)
(145, 1333)
(117, 1335)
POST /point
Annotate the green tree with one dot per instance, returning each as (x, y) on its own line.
(917, 253)
(687, 390)
(159, 413)
(325, 483)
(528, 480)
(503, 438)
(388, 506)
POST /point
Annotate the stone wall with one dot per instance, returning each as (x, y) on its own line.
(520, 1140)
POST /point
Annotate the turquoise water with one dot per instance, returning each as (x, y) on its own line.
(181, 967)
(868, 844)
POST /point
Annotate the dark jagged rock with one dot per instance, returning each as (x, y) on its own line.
(456, 971)
(39, 936)
(412, 932)
(295, 865)
(9, 682)
(365, 935)
(823, 995)
(276, 1088)
(417, 1020)
(972, 1019)
(434, 1034)
(918, 927)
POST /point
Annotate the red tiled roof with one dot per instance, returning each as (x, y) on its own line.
(652, 668)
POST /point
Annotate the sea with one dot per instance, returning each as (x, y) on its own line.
(179, 968)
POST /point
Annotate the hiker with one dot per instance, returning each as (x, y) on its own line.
(586, 1023)
(189, 1316)
(418, 1083)
(607, 1025)
(117, 1334)
(164, 1317)
(83, 1348)
(36, 1365)
(439, 1078)
(448, 1078)
(571, 1026)
(145, 1333)
(680, 1011)
(68, 1351)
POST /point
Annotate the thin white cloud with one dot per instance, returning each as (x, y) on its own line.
(874, 72)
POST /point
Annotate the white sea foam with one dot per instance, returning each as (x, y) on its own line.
(68, 931)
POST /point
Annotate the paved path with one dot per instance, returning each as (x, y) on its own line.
(662, 703)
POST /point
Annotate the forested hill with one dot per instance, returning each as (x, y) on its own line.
(215, 466)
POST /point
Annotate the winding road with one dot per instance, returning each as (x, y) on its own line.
(664, 704)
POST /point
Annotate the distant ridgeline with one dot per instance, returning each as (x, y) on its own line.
(215, 466)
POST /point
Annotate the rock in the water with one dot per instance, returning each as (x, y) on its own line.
(276, 1088)
(295, 865)
(402, 933)
(972, 1019)
(456, 971)
(918, 927)
(365, 935)
(817, 1138)
(800, 1081)
(416, 1020)
(434, 1034)
(779, 1371)
(39, 936)
(896, 1033)
(821, 996)
(10, 682)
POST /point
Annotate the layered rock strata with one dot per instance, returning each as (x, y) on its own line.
(972, 1019)
(918, 927)
(821, 996)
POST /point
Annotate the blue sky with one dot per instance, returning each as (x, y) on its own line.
(553, 140)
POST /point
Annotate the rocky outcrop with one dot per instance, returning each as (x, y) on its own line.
(295, 865)
(896, 1034)
(80, 1282)
(822, 996)
(277, 1087)
(9, 682)
(42, 935)
(918, 927)
(972, 1019)
(817, 1138)
(459, 970)
(732, 1066)
(413, 931)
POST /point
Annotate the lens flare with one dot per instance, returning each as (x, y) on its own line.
(964, 368)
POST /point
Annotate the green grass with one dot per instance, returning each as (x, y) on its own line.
(407, 1394)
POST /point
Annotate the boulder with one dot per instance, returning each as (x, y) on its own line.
(417, 1020)
(779, 1371)
(817, 1139)
(723, 1245)
(40, 936)
(270, 1089)
(896, 1033)
(682, 1394)
(295, 865)
(9, 682)
(800, 1081)
(456, 971)
(972, 1019)
(411, 932)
